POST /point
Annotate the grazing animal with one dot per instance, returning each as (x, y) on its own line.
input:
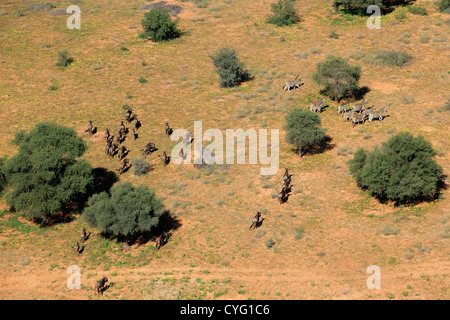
(124, 165)
(112, 149)
(119, 137)
(348, 115)
(293, 84)
(78, 248)
(377, 114)
(342, 108)
(90, 128)
(106, 135)
(283, 197)
(255, 220)
(357, 118)
(164, 158)
(168, 129)
(136, 122)
(161, 240)
(128, 115)
(100, 285)
(135, 135)
(121, 152)
(317, 105)
(149, 148)
(360, 106)
(84, 235)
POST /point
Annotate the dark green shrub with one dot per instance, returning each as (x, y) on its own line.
(359, 7)
(231, 71)
(402, 170)
(126, 213)
(418, 10)
(158, 26)
(3, 181)
(333, 35)
(303, 130)
(63, 59)
(47, 174)
(283, 13)
(443, 5)
(338, 78)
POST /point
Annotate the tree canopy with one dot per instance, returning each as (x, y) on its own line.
(402, 170)
(231, 71)
(283, 13)
(126, 212)
(159, 26)
(338, 78)
(46, 173)
(303, 130)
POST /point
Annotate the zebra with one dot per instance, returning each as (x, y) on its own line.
(342, 108)
(348, 115)
(317, 105)
(367, 111)
(358, 117)
(360, 106)
(293, 84)
(377, 114)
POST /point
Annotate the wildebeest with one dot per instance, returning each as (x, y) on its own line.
(135, 134)
(168, 129)
(123, 166)
(149, 148)
(122, 152)
(292, 84)
(112, 149)
(100, 285)
(161, 240)
(84, 235)
(256, 221)
(164, 158)
(78, 248)
(90, 128)
(136, 122)
(106, 135)
(128, 115)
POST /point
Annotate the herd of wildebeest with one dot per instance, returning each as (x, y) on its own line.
(357, 113)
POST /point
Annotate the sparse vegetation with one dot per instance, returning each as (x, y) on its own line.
(64, 59)
(231, 71)
(390, 58)
(283, 13)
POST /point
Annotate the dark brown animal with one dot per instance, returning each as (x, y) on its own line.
(161, 240)
(168, 129)
(100, 285)
(164, 158)
(90, 128)
(255, 220)
(123, 166)
(128, 115)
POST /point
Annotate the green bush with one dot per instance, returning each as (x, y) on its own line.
(359, 7)
(443, 6)
(3, 181)
(47, 173)
(140, 166)
(303, 130)
(63, 59)
(231, 71)
(418, 10)
(390, 58)
(158, 26)
(283, 13)
(402, 170)
(126, 213)
(338, 78)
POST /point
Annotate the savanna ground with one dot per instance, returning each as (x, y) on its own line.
(329, 231)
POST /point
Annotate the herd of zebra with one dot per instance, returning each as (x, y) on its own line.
(358, 113)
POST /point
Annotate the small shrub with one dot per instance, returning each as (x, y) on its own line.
(443, 5)
(142, 80)
(390, 58)
(140, 166)
(418, 10)
(283, 13)
(333, 35)
(389, 230)
(299, 233)
(231, 71)
(63, 59)
(158, 25)
(269, 243)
